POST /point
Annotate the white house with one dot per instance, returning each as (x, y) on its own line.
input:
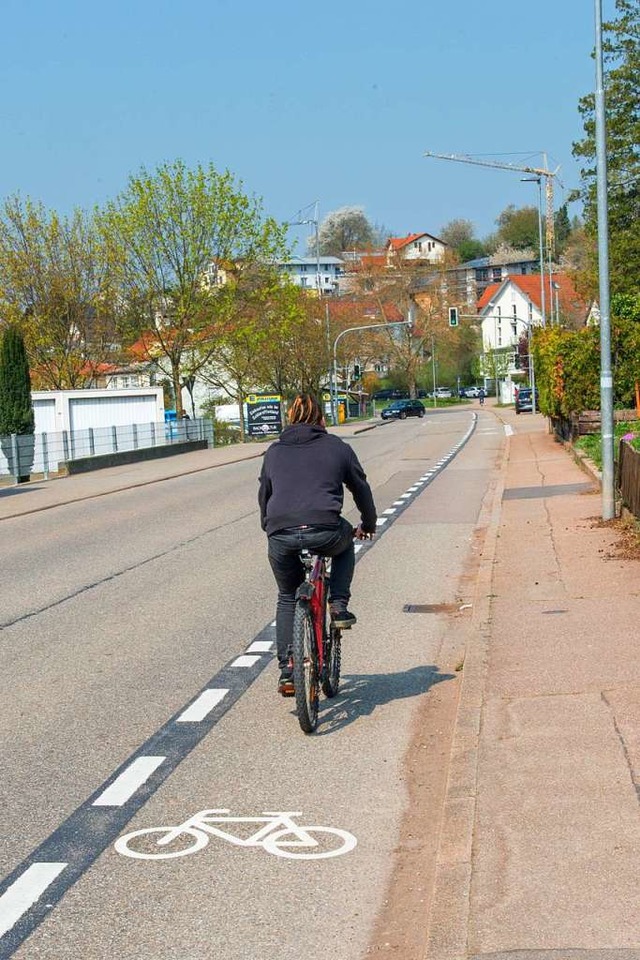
(309, 272)
(416, 246)
(509, 310)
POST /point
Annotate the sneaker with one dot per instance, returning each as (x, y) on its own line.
(341, 617)
(285, 682)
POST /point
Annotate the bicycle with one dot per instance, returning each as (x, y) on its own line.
(316, 646)
(278, 834)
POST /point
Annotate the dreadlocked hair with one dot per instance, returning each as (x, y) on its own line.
(305, 409)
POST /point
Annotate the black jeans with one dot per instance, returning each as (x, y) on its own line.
(284, 557)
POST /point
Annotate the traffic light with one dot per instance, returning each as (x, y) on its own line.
(356, 371)
(453, 316)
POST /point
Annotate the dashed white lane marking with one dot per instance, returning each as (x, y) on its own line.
(24, 892)
(260, 646)
(130, 780)
(398, 503)
(389, 510)
(508, 429)
(405, 496)
(202, 706)
(412, 489)
(244, 661)
(358, 547)
(380, 521)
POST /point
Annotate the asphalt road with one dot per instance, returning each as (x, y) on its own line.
(117, 613)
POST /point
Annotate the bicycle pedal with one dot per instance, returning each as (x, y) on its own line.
(286, 688)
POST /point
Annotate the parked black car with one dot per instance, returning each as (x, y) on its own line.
(524, 401)
(401, 409)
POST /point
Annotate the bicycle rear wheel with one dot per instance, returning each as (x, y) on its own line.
(305, 667)
(333, 658)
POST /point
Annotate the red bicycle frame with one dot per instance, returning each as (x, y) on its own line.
(314, 590)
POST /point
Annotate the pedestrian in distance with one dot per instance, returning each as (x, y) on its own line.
(301, 495)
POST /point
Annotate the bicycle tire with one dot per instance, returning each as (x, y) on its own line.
(271, 844)
(334, 658)
(122, 843)
(305, 667)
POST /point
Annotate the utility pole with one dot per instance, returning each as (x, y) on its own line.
(606, 376)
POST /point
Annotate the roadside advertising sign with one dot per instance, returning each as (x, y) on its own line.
(264, 414)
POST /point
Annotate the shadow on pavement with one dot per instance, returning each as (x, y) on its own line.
(359, 696)
(10, 491)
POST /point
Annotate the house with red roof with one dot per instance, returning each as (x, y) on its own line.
(416, 246)
(508, 310)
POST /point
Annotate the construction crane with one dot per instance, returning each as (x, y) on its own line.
(535, 171)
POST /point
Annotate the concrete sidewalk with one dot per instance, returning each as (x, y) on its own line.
(540, 844)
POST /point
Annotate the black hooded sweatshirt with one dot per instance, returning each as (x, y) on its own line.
(302, 480)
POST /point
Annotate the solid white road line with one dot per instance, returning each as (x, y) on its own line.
(24, 892)
(130, 780)
(202, 706)
(244, 661)
(260, 646)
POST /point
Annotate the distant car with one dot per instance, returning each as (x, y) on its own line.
(391, 394)
(524, 400)
(401, 409)
(443, 393)
(470, 392)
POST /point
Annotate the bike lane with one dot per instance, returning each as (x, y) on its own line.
(232, 901)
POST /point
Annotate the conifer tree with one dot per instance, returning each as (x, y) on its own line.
(16, 406)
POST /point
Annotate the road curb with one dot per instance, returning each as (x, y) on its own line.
(448, 925)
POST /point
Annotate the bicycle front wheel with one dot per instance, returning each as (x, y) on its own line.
(312, 843)
(305, 667)
(333, 658)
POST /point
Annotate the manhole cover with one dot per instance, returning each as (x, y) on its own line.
(431, 608)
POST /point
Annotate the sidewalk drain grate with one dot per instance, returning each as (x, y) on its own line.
(431, 608)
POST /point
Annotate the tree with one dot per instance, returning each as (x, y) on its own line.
(169, 231)
(459, 234)
(55, 282)
(16, 407)
(518, 227)
(345, 229)
(562, 229)
(621, 46)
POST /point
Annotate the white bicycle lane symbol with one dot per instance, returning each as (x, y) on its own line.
(278, 834)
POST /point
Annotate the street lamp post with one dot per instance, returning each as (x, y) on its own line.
(543, 310)
(334, 368)
(606, 373)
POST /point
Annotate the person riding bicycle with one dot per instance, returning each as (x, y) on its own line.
(301, 496)
(481, 396)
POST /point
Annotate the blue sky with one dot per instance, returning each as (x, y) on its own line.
(303, 102)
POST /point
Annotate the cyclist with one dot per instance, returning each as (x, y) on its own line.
(301, 496)
(481, 396)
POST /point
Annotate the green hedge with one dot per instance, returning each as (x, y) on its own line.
(568, 364)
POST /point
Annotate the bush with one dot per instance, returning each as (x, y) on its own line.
(567, 366)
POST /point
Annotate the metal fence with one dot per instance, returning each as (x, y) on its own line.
(43, 453)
